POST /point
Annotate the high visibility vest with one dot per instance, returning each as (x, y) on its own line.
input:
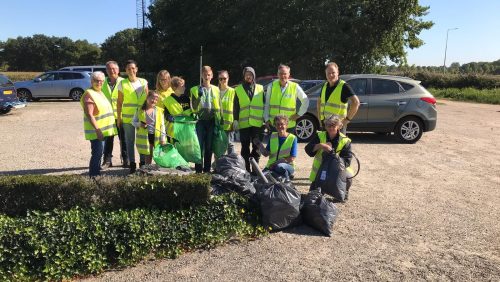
(163, 95)
(318, 158)
(131, 100)
(251, 111)
(141, 137)
(105, 118)
(112, 96)
(283, 103)
(334, 105)
(227, 103)
(215, 98)
(175, 109)
(284, 151)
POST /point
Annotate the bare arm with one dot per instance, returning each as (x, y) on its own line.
(119, 105)
(353, 109)
(89, 110)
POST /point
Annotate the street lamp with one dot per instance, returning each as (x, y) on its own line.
(446, 47)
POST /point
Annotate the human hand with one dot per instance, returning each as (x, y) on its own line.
(345, 121)
(119, 122)
(327, 147)
(144, 124)
(98, 132)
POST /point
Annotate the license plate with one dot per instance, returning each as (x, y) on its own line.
(7, 92)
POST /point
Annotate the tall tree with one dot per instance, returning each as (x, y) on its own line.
(357, 34)
(122, 46)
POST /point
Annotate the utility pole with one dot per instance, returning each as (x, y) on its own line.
(446, 47)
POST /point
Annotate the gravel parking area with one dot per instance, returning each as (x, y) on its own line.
(427, 211)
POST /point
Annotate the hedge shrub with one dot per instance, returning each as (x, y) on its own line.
(18, 194)
(489, 96)
(63, 244)
(439, 80)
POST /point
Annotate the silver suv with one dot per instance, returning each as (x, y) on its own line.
(388, 104)
(54, 84)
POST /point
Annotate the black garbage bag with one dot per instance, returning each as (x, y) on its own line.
(236, 182)
(280, 205)
(318, 212)
(226, 164)
(331, 177)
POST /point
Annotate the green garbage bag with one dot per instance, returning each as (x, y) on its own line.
(168, 156)
(219, 141)
(186, 140)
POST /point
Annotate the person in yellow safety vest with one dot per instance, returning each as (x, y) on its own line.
(327, 141)
(111, 92)
(205, 103)
(227, 97)
(177, 104)
(249, 114)
(98, 120)
(132, 93)
(163, 87)
(281, 98)
(281, 149)
(334, 97)
(150, 124)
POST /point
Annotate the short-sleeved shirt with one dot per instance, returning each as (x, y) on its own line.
(344, 96)
(281, 140)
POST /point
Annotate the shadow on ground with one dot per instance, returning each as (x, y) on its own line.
(41, 171)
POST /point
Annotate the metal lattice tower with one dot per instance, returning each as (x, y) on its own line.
(141, 10)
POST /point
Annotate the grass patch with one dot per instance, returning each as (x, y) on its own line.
(20, 76)
(486, 96)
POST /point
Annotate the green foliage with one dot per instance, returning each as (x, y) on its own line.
(62, 244)
(488, 96)
(439, 80)
(122, 46)
(356, 34)
(474, 68)
(19, 194)
(41, 53)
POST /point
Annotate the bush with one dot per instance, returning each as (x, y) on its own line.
(490, 96)
(439, 80)
(62, 244)
(18, 194)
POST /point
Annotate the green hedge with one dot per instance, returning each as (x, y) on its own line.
(439, 80)
(18, 194)
(489, 96)
(63, 244)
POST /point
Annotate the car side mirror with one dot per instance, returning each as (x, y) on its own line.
(37, 79)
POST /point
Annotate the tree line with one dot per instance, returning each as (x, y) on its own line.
(357, 34)
(486, 68)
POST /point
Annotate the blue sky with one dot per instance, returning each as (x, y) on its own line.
(476, 39)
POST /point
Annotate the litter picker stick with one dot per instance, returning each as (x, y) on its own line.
(201, 60)
(256, 168)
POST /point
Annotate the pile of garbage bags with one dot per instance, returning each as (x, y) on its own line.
(282, 205)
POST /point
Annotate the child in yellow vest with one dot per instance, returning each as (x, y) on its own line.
(150, 124)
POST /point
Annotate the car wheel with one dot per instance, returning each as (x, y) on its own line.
(24, 95)
(76, 94)
(4, 111)
(305, 128)
(409, 130)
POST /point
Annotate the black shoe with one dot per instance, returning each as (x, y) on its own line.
(106, 165)
(125, 164)
(132, 168)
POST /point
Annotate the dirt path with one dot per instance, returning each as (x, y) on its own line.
(427, 211)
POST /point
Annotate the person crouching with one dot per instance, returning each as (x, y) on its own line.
(150, 125)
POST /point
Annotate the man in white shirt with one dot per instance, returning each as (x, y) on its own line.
(281, 98)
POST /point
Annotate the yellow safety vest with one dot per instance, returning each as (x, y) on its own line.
(175, 109)
(334, 105)
(215, 98)
(283, 103)
(163, 97)
(318, 158)
(132, 100)
(105, 118)
(141, 137)
(284, 151)
(251, 111)
(227, 103)
(112, 96)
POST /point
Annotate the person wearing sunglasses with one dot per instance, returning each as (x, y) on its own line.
(227, 97)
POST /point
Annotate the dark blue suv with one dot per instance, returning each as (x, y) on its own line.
(8, 96)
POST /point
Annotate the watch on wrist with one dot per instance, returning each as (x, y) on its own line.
(347, 118)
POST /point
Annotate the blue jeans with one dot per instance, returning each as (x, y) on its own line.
(97, 148)
(129, 134)
(284, 169)
(230, 140)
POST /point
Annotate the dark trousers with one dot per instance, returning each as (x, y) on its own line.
(246, 137)
(205, 132)
(108, 147)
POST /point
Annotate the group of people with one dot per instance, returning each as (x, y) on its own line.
(143, 118)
